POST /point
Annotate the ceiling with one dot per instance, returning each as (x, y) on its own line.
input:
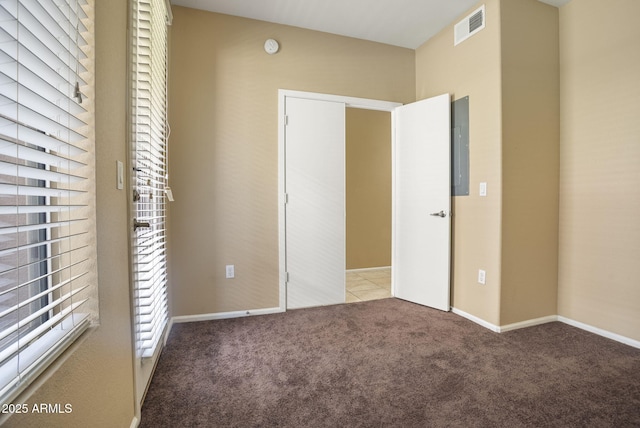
(405, 23)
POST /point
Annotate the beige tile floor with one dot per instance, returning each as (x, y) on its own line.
(370, 284)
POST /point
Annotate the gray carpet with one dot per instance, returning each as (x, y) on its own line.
(389, 363)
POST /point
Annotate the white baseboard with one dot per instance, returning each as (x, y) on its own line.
(223, 315)
(368, 269)
(473, 318)
(476, 320)
(601, 332)
(166, 333)
(544, 320)
(135, 422)
(527, 323)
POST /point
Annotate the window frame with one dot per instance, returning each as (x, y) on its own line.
(48, 156)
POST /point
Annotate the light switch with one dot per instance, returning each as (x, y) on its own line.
(482, 277)
(483, 189)
(169, 193)
(230, 271)
(119, 175)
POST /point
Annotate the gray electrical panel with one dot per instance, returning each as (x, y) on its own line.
(460, 147)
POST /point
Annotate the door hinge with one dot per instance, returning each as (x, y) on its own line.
(286, 120)
(286, 277)
(286, 198)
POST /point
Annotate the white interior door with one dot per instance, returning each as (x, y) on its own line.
(315, 202)
(422, 221)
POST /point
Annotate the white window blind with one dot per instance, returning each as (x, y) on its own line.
(149, 157)
(48, 294)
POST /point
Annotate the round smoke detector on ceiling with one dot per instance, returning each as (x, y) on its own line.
(271, 46)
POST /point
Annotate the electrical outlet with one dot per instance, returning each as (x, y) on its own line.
(482, 276)
(230, 271)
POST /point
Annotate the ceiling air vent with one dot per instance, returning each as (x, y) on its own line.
(469, 26)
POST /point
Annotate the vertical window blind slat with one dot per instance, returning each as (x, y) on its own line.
(149, 147)
(48, 285)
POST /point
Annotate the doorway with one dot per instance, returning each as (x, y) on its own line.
(368, 166)
(312, 256)
(312, 207)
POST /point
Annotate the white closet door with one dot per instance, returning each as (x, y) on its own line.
(315, 207)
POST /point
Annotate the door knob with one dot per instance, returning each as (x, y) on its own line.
(440, 214)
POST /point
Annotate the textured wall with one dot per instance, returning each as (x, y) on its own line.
(368, 176)
(600, 165)
(509, 70)
(472, 68)
(224, 144)
(530, 160)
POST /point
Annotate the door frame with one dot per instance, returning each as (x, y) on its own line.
(350, 102)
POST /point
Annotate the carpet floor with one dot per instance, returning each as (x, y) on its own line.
(389, 363)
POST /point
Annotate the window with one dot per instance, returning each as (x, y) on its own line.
(149, 157)
(48, 294)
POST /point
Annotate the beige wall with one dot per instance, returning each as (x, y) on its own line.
(509, 70)
(368, 188)
(472, 68)
(600, 165)
(530, 160)
(224, 144)
(96, 379)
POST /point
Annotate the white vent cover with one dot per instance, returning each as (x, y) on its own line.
(469, 26)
